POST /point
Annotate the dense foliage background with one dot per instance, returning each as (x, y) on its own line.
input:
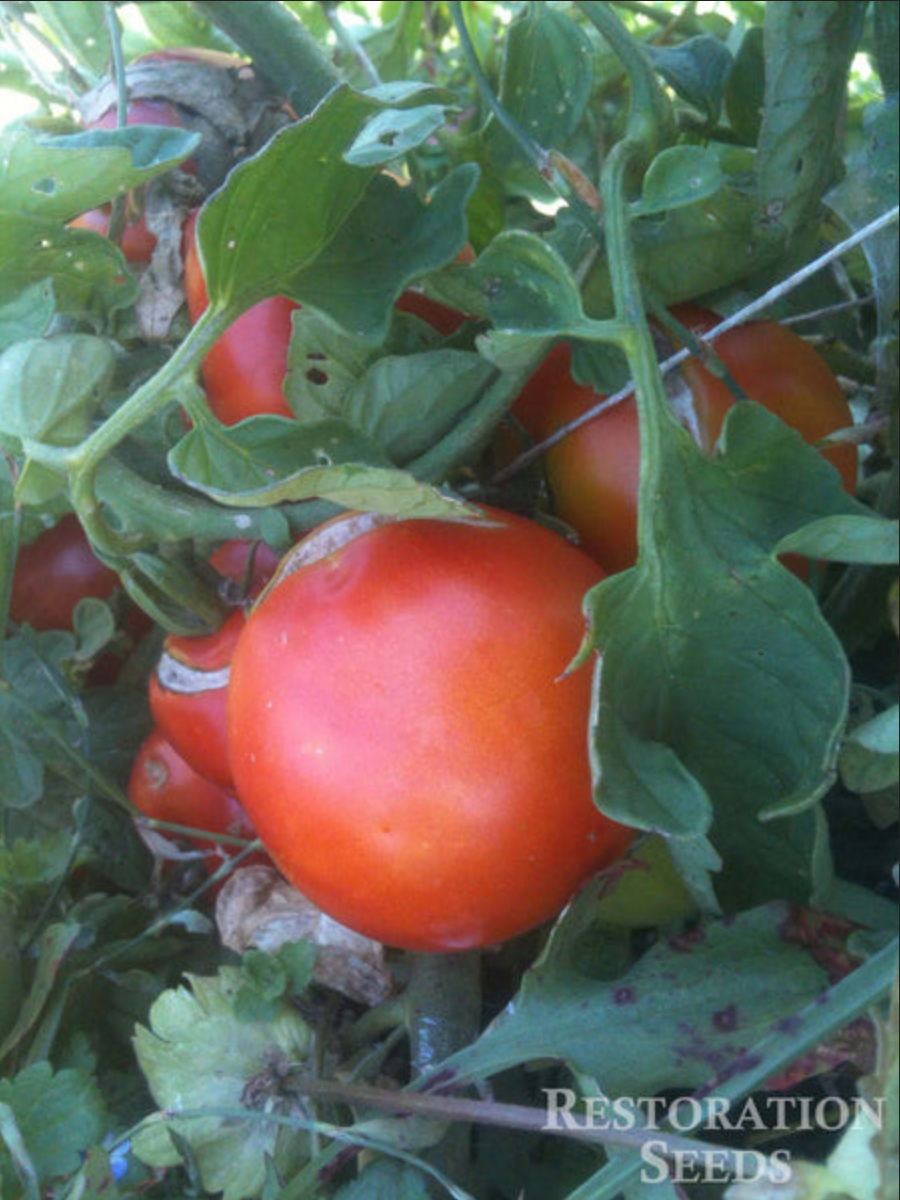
(551, 171)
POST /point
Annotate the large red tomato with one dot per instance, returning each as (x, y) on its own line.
(189, 685)
(163, 786)
(53, 573)
(594, 472)
(405, 737)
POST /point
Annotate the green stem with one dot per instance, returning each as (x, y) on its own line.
(651, 121)
(654, 415)
(282, 51)
(83, 461)
(117, 215)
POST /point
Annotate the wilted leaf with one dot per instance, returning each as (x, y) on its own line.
(258, 908)
(197, 1055)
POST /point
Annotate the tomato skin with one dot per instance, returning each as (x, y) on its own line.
(404, 740)
(243, 374)
(53, 573)
(594, 472)
(781, 372)
(166, 788)
(189, 686)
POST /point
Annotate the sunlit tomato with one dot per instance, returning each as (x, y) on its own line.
(189, 684)
(594, 472)
(163, 786)
(405, 738)
(53, 573)
(243, 374)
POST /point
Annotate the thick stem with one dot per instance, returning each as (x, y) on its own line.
(282, 51)
(444, 1015)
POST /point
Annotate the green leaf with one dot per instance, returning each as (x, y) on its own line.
(61, 177)
(408, 403)
(390, 240)
(809, 49)
(387, 1179)
(716, 653)
(269, 460)
(197, 1055)
(58, 1116)
(250, 239)
(855, 539)
(89, 274)
(27, 315)
(886, 19)
(50, 388)
(697, 70)
(323, 362)
(869, 759)
(390, 135)
(685, 1010)
(745, 87)
(56, 942)
(678, 176)
(529, 290)
(80, 27)
(547, 76)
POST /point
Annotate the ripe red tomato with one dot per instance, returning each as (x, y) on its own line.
(189, 685)
(243, 374)
(53, 573)
(594, 472)
(779, 370)
(405, 738)
(163, 786)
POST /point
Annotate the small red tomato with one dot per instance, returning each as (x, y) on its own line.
(166, 788)
(243, 374)
(189, 685)
(53, 573)
(405, 737)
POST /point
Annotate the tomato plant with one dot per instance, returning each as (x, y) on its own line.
(593, 472)
(413, 756)
(166, 788)
(54, 572)
(189, 684)
(628, 847)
